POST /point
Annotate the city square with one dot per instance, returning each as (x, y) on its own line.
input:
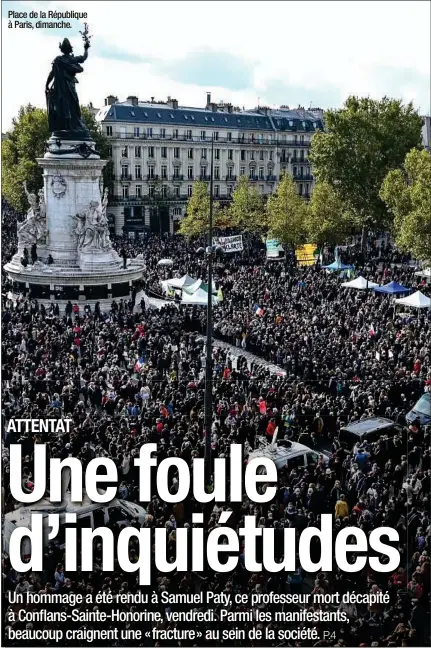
(231, 284)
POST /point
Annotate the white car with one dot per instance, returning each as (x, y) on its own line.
(89, 514)
(288, 453)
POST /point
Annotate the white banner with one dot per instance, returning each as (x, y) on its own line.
(229, 243)
(273, 249)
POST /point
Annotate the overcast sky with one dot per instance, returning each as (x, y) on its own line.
(308, 53)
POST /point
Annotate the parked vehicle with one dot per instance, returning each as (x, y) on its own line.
(421, 411)
(369, 429)
(287, 453)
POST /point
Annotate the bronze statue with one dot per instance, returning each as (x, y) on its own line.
(64, 112)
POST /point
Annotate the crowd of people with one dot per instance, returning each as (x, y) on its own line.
(136, 375)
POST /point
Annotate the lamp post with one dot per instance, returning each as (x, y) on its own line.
(209, 352)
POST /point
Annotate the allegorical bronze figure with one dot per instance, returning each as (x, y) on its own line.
(64, 112)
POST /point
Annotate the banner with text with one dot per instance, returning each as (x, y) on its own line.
(273, 249)
(229, 243)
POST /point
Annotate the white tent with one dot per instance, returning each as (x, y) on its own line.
(180, 282)
(192, 288)
(417, 300)
(360, 284)
(424, 273)
(199, 297)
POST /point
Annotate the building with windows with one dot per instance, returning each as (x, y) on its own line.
(160, 149)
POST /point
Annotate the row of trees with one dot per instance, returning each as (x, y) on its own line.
(372, 175)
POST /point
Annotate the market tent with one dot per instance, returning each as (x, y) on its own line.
(337, 265)
(180, 282)
(192, 288)
(424, 273)
(392, 288)
(360, 283)
(417, 300)
(199, 297)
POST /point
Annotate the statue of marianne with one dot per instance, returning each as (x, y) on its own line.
(64, 112)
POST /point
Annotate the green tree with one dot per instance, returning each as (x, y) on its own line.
(246, 210)
(287, 214)
(198, 211)
(407, 194)
(361, 143)
(328, 223)
(25, 142)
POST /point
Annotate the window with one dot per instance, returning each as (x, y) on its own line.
(271, 154)
(307, 189)
(295, 462)
(124, 152)
(163, 133)
(229, 174)
(110, 151)
(312, 458)
(242, 155)
(189, 134)
(190, 154)
(151, 172)
(137, 151)
(241, 137)
(295, 171)
(301, 154)
(151, 192)
(229, 137)
(138, 191)
(230, 154)
(176, 192)
(300, 189)
(124, 171)
(242, 171)
(109, 130)
(217, 154)
(203, 135)
(176, 173)
(136, 131)
(216, 191)
(138, 173)
(215, 136)
(149, 132)
(164, 172)
(261, 153)
(190, 172)
(164, 191)
(261, 176)
(151, 151)
(164, 152)
(262, 189)
(229, 190)
(177, 152)
(295, 141)
(252, 155)
(217, 173)
(175, 133)
(204, 154)
(189, 190)
(176, 211)
(125, 192)
(301, 139)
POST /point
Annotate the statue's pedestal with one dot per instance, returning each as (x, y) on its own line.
(72, 183)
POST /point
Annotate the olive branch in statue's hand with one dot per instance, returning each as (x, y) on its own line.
(85, 36)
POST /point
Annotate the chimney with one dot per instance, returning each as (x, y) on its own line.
(110, 100)
(208, 99)
(133, 100)
(173, 103)
(230, 108)
(152, 99)
(214, 107)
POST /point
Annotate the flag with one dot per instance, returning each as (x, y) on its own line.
(220, 294)
(258, 310)
(377, 355)
(139, 364)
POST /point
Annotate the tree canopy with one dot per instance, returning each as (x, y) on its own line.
(361, 143)
(246, 211)
(198, 211)
(328, 223)
(26, 141)
(407, 194)
(287, 214)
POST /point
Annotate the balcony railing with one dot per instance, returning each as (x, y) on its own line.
(271, 178)
(152, 177)
(253, 178)
(205, 178)
(177, 178)
(126, 177)
(247, 141)
(303, 178)
(230, 178)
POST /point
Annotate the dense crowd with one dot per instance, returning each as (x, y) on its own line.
(131, 376)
